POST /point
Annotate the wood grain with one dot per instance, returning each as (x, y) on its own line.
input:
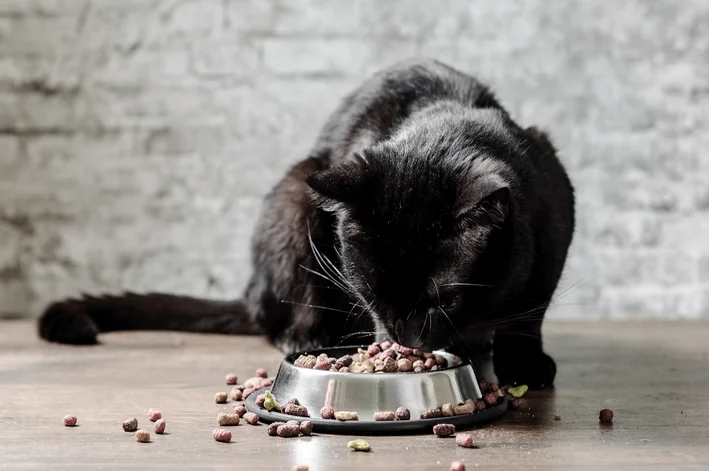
(654, 376)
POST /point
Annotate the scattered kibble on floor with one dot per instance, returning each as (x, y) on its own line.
(606, 416)
(70, 420)
(359, 445)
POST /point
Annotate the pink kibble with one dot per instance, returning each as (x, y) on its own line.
(386, 345)
(457, 466)
(69, 420)
(221, 435)
(247, 392)
(160, 426)
(373, 350)
(262, 373)
(327, 413)
(231, 378)
(267, 382)
(463, 439)
(260, 399)
(154, 414)
(240, 410)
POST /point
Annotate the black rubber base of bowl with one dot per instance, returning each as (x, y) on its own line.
(371, 427)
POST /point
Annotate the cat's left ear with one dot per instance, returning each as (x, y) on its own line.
(342, 184)
(491, 202)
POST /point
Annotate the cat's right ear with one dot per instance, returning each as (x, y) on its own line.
(340, 185)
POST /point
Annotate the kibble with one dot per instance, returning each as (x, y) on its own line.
(254, 383)
(300, 467)
(267, 382)
(160, 426)
(306, 428)
(490, 398)
(273, 427)
(515, 404)
(250, 418)
(447, 410)
(130, 425)
(231, 378)
(384, 416)
(518, 391)
(480, 405)
(270, 403)
(557, 417)
(403, 414)
(142, 436)
(457, 466)
(237, 395)
(327, 413)
(462, 409)
(606, 416)
(221, 397)
(346, 415)
(431, 414)
(359, 445)
(221, 435)
(296, 409)
(464, 439)
(260, 399)
(240, 410)
(289, 429)
(262, 373)
(154, 414)
(443, 430)
(70, 420)
(247, 392)
(293, 400)
(227, 419)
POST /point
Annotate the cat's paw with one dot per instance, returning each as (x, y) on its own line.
(536, 370)
(67, 322)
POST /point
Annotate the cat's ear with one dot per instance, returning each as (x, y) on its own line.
(493, 205)
(497, 205)
(342, 184)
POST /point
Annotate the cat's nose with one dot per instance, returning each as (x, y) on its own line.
(412, 333)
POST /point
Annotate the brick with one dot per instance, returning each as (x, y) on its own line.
(619, 229)
(314, 57)
(623, 268)
(686, 232)
(225, 57)
(42, 7)
(9, 151)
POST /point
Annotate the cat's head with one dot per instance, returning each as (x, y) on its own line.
(424, 226)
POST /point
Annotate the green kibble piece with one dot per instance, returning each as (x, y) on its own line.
(518, 391)
(359, 445)
(270, 403)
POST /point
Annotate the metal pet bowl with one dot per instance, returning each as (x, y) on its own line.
(370, 393)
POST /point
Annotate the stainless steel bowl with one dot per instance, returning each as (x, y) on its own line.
(370, 393)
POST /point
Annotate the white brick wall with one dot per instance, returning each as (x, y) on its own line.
(137, 137)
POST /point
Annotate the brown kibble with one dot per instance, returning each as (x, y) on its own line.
(405, 351)
(251, 418)
(254, 383)
(457, 466)
(142, 436)
(227, 419)
(260, 400)
(403, 414)
(327, 413)
(417, 364)
(220, 398)
(467, 408)
(160, 426)
(557, 417)
(305, 361)
(464, 439)
(292, 400)
(296, 409)
(344, 369)
(240, 410)
(606, 416)
(130, 425)
(441, 361)
(247, 392)
(443, 430)
(404, 365)
(515, 404)
(273, 427)
(431, 414)
(155, 414)
(346, 415)
(373, 350)
(484, 386)
(447, 410)
(221, 435)
(237, 395)
(70, 420)
(300, 467)
(288, 430)
(306, 428)
(384, 416)
(389, 365)
(262, 373)
(490, 398)
(231, 378)
(480, 405)
(386, 345)
(429, 363)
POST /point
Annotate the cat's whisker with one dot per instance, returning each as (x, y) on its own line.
(322, 262)
(362, 333)
(314, 306)
(323, 276)
(468, 284)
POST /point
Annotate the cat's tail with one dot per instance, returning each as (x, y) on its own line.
(79, 321)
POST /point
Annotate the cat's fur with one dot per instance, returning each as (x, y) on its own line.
(423, 213)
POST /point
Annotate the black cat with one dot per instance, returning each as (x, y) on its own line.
(424, 214)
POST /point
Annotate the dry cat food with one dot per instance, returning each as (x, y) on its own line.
(464, 439)
(251, 418)
(270, 403)
(606, 416)
(518, 391)
(142, 436)
(227, 419)
(403, 413)
(306, 428)
(300, 467)
(443, 430)
(130, 425)
(160, 426)
(154, 414)
(289, 429)
(296, 409)
(231, 378)
(384, 416)
(221, 397)
(344, 415)
(432, 414)
(457, 466)
(359, 445)
(236, 394)
(557, 417)
(377, 358)
(240, 410)
(327, 413)
(261, 372)
(69, 420)
(260, 399)
(273, 428)
(221, 435)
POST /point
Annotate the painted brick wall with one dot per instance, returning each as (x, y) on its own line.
(138, 136)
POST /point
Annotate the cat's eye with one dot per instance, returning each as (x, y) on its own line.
(449, 301)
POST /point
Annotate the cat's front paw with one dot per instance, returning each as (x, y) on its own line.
(67, 322)
(536, 370)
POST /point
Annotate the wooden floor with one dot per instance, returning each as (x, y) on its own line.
(655, 376)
